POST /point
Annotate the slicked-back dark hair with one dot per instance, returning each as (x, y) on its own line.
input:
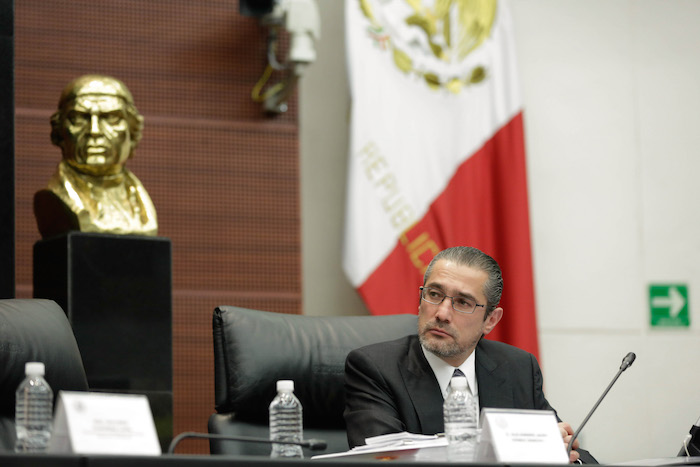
(475, 258)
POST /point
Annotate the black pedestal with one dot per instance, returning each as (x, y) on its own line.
(117, 293)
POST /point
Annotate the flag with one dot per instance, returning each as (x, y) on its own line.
(437, 154)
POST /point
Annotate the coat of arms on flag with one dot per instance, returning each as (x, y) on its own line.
(433, 40)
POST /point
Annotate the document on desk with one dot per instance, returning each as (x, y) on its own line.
(392, 442)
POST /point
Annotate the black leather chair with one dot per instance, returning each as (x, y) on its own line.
(34, 330)
(253, 349)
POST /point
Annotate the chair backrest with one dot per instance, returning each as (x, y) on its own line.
(254, 349)
(34, 330)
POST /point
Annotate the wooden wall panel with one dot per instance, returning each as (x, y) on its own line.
(224, 177)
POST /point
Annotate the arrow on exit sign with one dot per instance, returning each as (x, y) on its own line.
(668, 304)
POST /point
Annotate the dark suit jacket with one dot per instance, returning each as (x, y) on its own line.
(390, 387)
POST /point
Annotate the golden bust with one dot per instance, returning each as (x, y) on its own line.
(97, 128)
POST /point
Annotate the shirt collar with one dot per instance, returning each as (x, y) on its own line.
(443, 371)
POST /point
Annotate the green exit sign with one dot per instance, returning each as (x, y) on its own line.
(669, 305)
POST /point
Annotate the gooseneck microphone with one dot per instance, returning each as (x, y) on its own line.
(626, 363)
(313, 444)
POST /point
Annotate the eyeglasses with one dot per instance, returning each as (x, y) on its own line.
(461, 304)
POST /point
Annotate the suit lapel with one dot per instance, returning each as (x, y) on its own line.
(423, 390)
(495, 386)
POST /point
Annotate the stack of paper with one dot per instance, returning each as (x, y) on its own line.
(393, 442)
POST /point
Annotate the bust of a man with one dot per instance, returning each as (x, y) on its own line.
(97, 128)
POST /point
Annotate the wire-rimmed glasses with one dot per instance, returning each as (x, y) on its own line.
(464, 305)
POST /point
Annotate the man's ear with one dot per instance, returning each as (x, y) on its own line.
(492, 320)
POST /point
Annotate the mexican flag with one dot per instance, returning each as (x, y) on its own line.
(437, 154)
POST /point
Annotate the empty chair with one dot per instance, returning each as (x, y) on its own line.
(254, 349)
(34, 330)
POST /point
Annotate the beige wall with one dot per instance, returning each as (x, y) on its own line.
(323, 140)
(610, 102)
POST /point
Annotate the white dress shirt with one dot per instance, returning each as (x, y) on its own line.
(443, 373)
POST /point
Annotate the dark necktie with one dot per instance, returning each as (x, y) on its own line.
(459, 372)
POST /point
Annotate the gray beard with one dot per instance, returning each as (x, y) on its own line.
(443, 350)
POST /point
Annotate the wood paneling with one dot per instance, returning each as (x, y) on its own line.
(224, 176)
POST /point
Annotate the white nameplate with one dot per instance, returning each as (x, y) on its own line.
(104, 423)
(520, 436)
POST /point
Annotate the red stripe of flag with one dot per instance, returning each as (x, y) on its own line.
(485, 205)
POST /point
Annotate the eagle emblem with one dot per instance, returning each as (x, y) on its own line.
(433, 39)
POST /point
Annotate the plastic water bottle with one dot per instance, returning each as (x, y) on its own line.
(286, 423)
(33, 410)
(459, 411)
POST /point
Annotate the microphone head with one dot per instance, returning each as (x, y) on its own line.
(627, 361)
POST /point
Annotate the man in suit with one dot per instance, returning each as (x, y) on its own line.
(400, 385)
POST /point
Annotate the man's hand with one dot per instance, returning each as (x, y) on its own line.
(566, 433)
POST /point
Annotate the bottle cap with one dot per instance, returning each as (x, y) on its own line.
(34, 368)
(458, 382)
(285, 385)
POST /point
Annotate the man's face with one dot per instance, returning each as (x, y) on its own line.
(95, 136)
(447, 333)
